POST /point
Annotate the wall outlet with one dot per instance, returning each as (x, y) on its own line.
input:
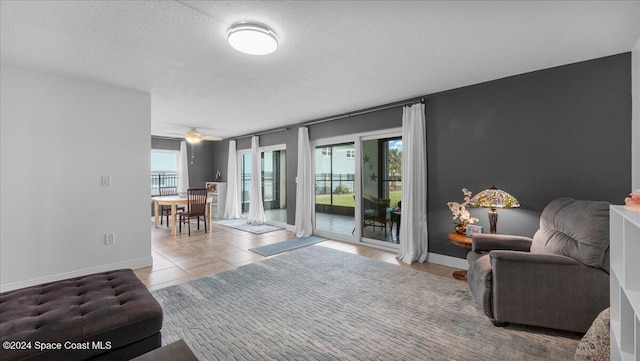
(109, 238)
(106, 181)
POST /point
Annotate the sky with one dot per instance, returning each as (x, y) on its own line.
(396, 144)
(164, 161)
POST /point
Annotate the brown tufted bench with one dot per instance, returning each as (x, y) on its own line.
(103, 316)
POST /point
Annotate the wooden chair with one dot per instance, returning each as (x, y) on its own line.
(394, 217)
(166, 210)
(375, 212)
(196, 208)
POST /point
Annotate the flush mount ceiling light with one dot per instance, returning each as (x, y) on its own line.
(254, 39)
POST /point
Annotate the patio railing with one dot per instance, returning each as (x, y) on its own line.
(167, 179)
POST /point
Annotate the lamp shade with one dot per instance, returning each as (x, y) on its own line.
(494, 198)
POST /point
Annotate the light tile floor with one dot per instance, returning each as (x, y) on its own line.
(178, 259)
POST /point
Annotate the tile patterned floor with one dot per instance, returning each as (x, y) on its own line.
(178, 259)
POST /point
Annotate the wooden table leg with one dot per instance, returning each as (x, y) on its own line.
(155, 212)
(173, 219)
(207, 214)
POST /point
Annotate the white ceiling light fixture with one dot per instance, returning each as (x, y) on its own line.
(251, 38)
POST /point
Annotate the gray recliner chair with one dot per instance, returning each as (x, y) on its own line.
(559, 279)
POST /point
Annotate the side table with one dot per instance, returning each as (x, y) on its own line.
(463, 241)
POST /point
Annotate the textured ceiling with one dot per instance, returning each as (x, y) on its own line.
(334, 56)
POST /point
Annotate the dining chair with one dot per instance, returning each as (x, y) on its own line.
(196, 208)
(166, 210)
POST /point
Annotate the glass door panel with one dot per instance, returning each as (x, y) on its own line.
(381, 188)
(335, 184)
(273, 173)
(274, 191)
(245, 181)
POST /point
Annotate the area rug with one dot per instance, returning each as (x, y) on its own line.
(288, 245)
(242, 225)
(322, 304)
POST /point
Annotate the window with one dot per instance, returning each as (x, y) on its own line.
(351, 154)
(164, 169)
(326, 152)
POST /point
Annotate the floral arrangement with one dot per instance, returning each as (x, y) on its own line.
(633, 203)
(459, 210)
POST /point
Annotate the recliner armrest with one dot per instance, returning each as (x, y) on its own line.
(546, 290)
(528, 257)
(490, 242)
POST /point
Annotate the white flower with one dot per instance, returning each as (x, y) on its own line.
(460, 211)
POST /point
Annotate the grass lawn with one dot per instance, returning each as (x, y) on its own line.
(346, 200)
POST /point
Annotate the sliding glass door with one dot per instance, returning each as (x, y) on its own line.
(274, 186)
(335, 188)
(381, 165)
(358, 187)
(274, 192)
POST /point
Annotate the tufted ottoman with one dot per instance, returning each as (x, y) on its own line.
(103, 316)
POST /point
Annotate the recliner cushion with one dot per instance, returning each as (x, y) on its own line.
(574, 228)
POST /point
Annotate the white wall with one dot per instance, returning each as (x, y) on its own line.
(59, 135)
(635, 117)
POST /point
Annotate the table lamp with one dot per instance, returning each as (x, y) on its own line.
(494, 198)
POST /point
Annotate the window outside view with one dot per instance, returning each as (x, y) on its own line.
(164, 170)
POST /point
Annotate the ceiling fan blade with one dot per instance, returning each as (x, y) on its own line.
(211, 137)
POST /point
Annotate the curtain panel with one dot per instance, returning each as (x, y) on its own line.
(413, 228)
(232, 206)
(256, 209)
(304, 186)
(183, 169)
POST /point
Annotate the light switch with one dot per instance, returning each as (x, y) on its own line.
(106, 181)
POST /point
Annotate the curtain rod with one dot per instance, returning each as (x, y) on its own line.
(166, 137)
(260, 133)
(411, 101)
(365, 111)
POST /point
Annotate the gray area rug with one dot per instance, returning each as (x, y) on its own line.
(288, 245)
(242, 225)
(321, 304)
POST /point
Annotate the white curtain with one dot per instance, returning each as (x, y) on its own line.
(232, 206)
(413, 228)
(256, 210)
(183, 169)
(304, 186)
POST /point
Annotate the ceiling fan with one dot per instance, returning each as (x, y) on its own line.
(193, 136)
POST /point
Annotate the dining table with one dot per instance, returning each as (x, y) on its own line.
(174, 202)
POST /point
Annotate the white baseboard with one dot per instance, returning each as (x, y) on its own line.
(449, 261)
(133, 264)
(436, 258)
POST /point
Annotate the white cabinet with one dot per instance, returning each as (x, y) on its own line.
(217, 193)
(625, 284)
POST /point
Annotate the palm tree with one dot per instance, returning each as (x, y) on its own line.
(395, 165)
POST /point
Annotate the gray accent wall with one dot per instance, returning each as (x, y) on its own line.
(202, 169)
(558, 132)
